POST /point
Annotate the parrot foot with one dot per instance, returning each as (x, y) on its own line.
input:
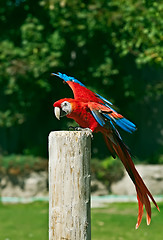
(72, 128)
(80, 129)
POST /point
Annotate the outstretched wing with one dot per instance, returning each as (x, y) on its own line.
(107, 116)
(81, 92)
(100, 107)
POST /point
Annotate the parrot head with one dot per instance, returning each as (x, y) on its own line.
(62, 108)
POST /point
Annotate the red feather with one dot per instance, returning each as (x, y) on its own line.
(90, 111)
(143, 193)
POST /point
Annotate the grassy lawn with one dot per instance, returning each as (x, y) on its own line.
(115, 222)
(24, 221)
(118, 220)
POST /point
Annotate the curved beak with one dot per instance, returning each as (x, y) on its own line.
(59, 113)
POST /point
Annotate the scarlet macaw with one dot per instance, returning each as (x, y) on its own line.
(94, 112)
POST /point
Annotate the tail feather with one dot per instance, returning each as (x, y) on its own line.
(110, 147)
(143, 194)
(140, 211)
(148, 209)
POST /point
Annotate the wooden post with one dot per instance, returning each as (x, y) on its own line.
(69, 185)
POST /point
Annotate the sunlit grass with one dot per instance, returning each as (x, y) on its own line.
(118, 220)
(114, 222)
(24, 221)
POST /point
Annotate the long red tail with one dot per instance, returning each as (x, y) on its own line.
(115, 145)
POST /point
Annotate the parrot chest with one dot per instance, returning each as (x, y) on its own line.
(84, 118)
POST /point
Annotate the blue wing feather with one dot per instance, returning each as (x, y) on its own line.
(104, 100)
(98, 118)
(68, 78)
(126, 125)
(123, 123)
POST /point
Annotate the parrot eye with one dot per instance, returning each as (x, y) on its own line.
(64, 104)
(66, 107)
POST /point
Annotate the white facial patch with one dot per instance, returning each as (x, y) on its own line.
(66, 107)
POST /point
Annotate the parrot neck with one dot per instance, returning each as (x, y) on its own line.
(82, 115)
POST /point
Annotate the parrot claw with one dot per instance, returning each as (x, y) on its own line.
(84, 129)
(72, 128)
(80, 129)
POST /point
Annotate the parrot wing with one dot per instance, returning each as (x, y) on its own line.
(100, 107)
(107, 117)
(81, 92)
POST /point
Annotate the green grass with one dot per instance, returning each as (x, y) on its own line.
(118, 220)
(24, 221)
(115, 222)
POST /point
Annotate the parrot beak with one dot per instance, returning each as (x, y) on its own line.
(59, 113)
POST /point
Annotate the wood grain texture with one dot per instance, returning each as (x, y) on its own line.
(69, 185)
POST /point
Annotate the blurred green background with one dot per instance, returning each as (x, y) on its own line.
(114, 47)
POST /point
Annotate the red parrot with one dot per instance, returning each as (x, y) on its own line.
(94, 112)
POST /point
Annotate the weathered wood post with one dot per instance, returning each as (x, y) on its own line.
(69, 185)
